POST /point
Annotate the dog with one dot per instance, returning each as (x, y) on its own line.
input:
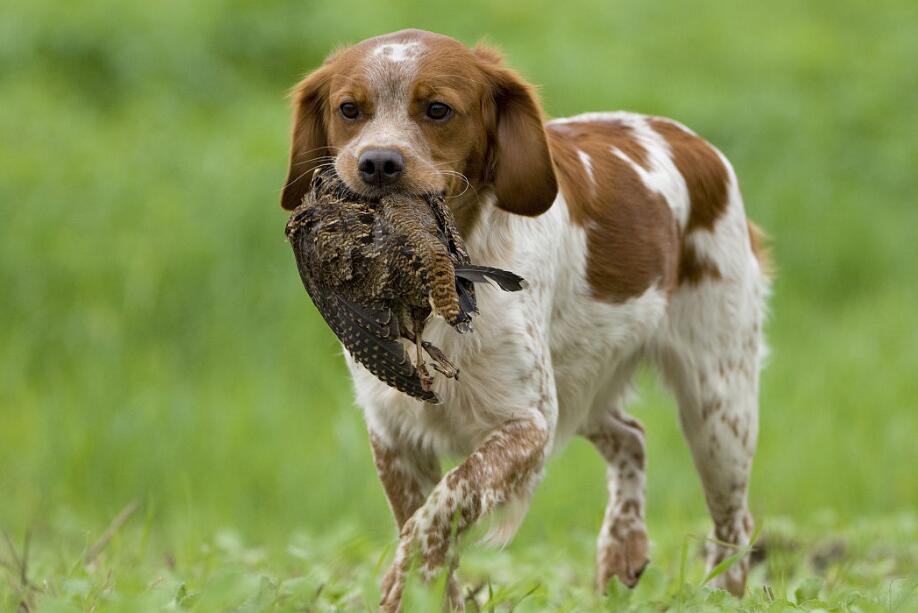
(631, 232)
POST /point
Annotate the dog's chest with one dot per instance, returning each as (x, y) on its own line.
(495, 363)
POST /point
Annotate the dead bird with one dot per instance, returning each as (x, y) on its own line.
(377, 270)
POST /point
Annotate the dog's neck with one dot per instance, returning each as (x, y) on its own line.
(467, 209)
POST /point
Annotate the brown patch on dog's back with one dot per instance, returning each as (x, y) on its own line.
(693, 268)
(703, 170)
(631, 233)
(707, 179)
(604, 134)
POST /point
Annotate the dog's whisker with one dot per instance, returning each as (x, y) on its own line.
(320, 148)
(321, 157)
(310, 171)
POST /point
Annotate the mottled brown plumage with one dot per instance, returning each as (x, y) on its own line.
(378, 269)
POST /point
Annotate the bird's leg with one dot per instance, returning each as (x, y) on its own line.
(423, 374)
(441, 363)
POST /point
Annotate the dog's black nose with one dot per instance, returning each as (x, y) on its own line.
(380, 166)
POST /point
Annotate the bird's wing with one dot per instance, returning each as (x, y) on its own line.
(370, 335)
(449, 232)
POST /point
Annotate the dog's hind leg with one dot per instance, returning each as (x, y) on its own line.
(622, 548)
(711, 359)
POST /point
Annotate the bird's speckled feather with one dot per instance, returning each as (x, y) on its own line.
(378, 269)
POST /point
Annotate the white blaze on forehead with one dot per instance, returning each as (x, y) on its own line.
(398, 52)
(391, 69)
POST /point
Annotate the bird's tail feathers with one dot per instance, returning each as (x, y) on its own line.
(506, 280)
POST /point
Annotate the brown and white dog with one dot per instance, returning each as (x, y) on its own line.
(631, 232)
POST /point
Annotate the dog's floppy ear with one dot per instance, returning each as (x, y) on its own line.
(519, 162)
(309, 144)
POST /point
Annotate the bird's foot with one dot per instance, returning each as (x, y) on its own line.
(424, 376)
(441, 363)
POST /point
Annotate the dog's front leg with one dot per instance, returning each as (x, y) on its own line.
(407, 473)
(505, 466)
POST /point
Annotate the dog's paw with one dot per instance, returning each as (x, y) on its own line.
(624, 555)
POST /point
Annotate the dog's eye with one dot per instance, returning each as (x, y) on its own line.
(349, 110)
(438, 111)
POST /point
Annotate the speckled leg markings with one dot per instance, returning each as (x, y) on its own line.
(717, 409)
(732, 529)
(506, 465)
(722, 446)
(622, 547)
(713, 366)
(407, 475)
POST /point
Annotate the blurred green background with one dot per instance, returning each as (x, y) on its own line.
(156, 343)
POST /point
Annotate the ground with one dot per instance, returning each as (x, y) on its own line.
(824, 565)
(156, 345)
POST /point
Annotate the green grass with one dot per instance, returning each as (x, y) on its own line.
(156, 345)
(828, 565)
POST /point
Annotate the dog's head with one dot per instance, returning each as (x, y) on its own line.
(420, 112)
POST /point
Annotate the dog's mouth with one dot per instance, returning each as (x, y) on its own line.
(347, 190)
(374, 193)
